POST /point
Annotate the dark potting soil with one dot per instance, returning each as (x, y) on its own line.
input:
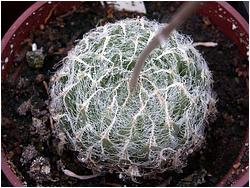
(32, 147)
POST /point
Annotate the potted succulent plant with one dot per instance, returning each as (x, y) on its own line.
(73, 107)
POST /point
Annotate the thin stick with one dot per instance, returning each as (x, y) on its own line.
(185, 11)
(46, 87)
(84, 177)
(50, 14)
(205, 44)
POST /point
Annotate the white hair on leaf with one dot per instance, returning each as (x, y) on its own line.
(141, 133)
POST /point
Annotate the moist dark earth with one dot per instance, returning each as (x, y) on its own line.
(31, 146)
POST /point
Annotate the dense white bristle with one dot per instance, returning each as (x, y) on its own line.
(151, 130)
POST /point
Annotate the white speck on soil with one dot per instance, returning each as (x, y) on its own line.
(40, 169)
(6, 60)
(242, 34)
(45, 170)
(28, 154)
(34, 47)
(234, 27)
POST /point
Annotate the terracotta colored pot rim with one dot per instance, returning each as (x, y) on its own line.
(14, 180)
(235, 14)
(5, 167)
(19, 22)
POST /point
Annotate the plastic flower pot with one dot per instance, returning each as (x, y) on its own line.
(221, 14)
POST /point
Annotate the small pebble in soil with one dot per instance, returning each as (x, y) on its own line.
(194, 179)
(236, 166)
(28, 154)
(40, 169)
(59, 142)
(37, 106)
(39, 127)
(42, 27)
(40, 78)
(206, 21)
(35, 58)
(24, 107)
(22, 83)
(7, 122)
(10, 154)
(166, 182)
